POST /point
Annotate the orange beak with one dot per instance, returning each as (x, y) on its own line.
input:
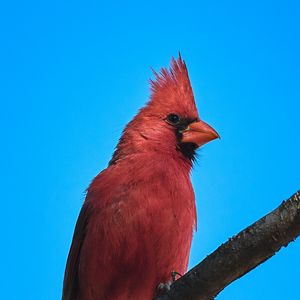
(199, 133)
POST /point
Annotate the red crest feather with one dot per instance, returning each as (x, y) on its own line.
(171, 89)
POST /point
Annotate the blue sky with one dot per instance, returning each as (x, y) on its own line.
(74, 73)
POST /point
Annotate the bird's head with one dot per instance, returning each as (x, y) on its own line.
(169, 122)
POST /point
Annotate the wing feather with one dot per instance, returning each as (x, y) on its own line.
(71, 284)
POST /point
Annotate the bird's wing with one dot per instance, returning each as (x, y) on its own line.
(70, 288)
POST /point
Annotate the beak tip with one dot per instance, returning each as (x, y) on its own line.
(215, 134)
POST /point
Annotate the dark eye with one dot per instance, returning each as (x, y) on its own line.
(173, 119)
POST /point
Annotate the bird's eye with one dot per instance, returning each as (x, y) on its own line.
(173, 119)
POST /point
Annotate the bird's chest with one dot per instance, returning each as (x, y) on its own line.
(164, 226)
(143, 233)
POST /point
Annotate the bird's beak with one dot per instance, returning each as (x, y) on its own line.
(199, 133)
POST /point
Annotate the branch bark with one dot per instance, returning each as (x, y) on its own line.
(240, 254)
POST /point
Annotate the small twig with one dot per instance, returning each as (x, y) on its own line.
(240, 254)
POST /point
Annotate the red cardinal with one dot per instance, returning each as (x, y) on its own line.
(136, 225)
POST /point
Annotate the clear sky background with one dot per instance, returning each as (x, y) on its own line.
(74, 73)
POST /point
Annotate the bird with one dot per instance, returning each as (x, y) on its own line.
(136, 224)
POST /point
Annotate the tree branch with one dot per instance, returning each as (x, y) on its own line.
(242, 253)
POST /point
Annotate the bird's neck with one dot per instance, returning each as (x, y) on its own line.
(137, 146)
(155, 153)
